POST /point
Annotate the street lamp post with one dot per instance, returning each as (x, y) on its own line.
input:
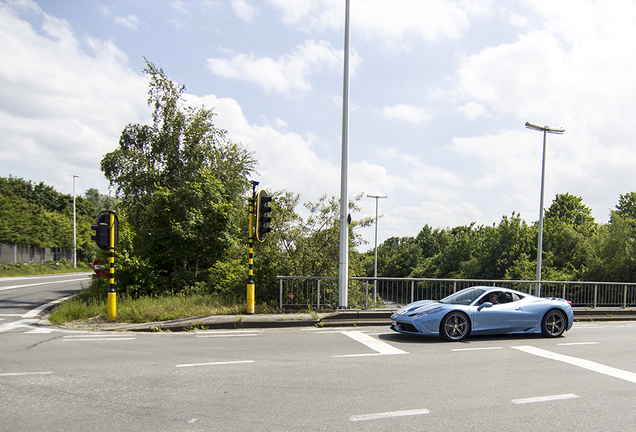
(375, 259)
(74, 234)
(545, 130)
(343, 260)
(375, 253)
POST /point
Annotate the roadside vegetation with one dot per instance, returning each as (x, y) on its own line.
(182, 191)
(90, 305)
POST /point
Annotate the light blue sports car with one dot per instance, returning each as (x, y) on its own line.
(484, 310)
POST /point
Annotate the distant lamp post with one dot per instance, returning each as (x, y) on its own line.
(74, 234)
(545, 130)
(375, 256)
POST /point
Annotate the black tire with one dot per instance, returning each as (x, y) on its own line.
(554, 323)
(454, 327)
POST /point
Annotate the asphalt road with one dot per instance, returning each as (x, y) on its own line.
(304, 379)
(22, 299)
(314, 379)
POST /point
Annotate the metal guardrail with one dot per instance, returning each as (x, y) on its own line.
(321, 292)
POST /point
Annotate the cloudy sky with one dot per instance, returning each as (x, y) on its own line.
(440, 92)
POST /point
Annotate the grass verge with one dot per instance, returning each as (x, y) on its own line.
(91, 305)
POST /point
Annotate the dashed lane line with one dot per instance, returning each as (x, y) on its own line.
(215, 363)
(383, 415)
(10, 374)
(544, 399)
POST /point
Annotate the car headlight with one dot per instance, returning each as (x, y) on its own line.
(419, 314)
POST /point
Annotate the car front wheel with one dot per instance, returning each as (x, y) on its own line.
(554, 323)
(455, 327)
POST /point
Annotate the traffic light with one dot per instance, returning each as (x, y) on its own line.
(102, 229)
(262, 215)
(101, 235)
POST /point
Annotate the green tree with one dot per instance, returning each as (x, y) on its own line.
(182, 184)
(99, 201)
(626, 206)
(504, 245)
(568, 226)
(613, 251)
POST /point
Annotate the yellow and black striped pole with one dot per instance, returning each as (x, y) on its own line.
(112, 296)
(251, 302)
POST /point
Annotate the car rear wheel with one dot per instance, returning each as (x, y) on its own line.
(454, 327)
(554, 323)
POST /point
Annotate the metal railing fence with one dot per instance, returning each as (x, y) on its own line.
(321, 292)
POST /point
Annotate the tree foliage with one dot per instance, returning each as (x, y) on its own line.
(38, 215)
(182, 186)
(575, 247)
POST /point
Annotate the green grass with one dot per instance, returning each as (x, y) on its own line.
(91, 305)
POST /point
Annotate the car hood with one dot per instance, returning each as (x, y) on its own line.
(418, 307)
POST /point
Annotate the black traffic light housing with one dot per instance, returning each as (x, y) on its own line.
(263, 217)
(102, 229)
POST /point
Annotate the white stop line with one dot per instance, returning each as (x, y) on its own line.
(585, 364)
(380, 348)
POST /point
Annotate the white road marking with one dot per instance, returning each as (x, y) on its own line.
(382, 348)
(476, 349)
(545, 398)
(15, 324)
(98, 339)
(578, 343)
(585, 364)
(41, 330)
(35, 312)
(41, 283)
(98, 335)
(230, 333)
(11, 315)
(24, 373)
(227, 335)
(215, 363)
(377, 416)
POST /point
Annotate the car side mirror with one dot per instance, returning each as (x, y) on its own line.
(484, 305)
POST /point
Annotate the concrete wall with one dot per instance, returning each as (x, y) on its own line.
(27, 254)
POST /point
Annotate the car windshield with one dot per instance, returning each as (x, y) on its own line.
(463, 297)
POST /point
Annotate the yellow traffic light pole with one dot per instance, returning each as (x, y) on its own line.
(251, 298)
(112, 296)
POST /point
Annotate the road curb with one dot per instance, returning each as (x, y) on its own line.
(345, 318)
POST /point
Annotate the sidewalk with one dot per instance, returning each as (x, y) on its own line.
(342, 318)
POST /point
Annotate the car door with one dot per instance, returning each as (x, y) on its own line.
(498, 317)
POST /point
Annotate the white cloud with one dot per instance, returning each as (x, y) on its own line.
(130, 21)
(61, 106)
(472, 110)
(244, 10)
(407, 113)
(284, 158)
(571, 71)
(179, 6)
(397, 23)
(286, 75)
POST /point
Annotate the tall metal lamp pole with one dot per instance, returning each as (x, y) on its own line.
(343, 260)
(74, 234)
(545, 130)
(375, 258)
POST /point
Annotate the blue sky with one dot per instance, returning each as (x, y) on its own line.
(440, 92)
